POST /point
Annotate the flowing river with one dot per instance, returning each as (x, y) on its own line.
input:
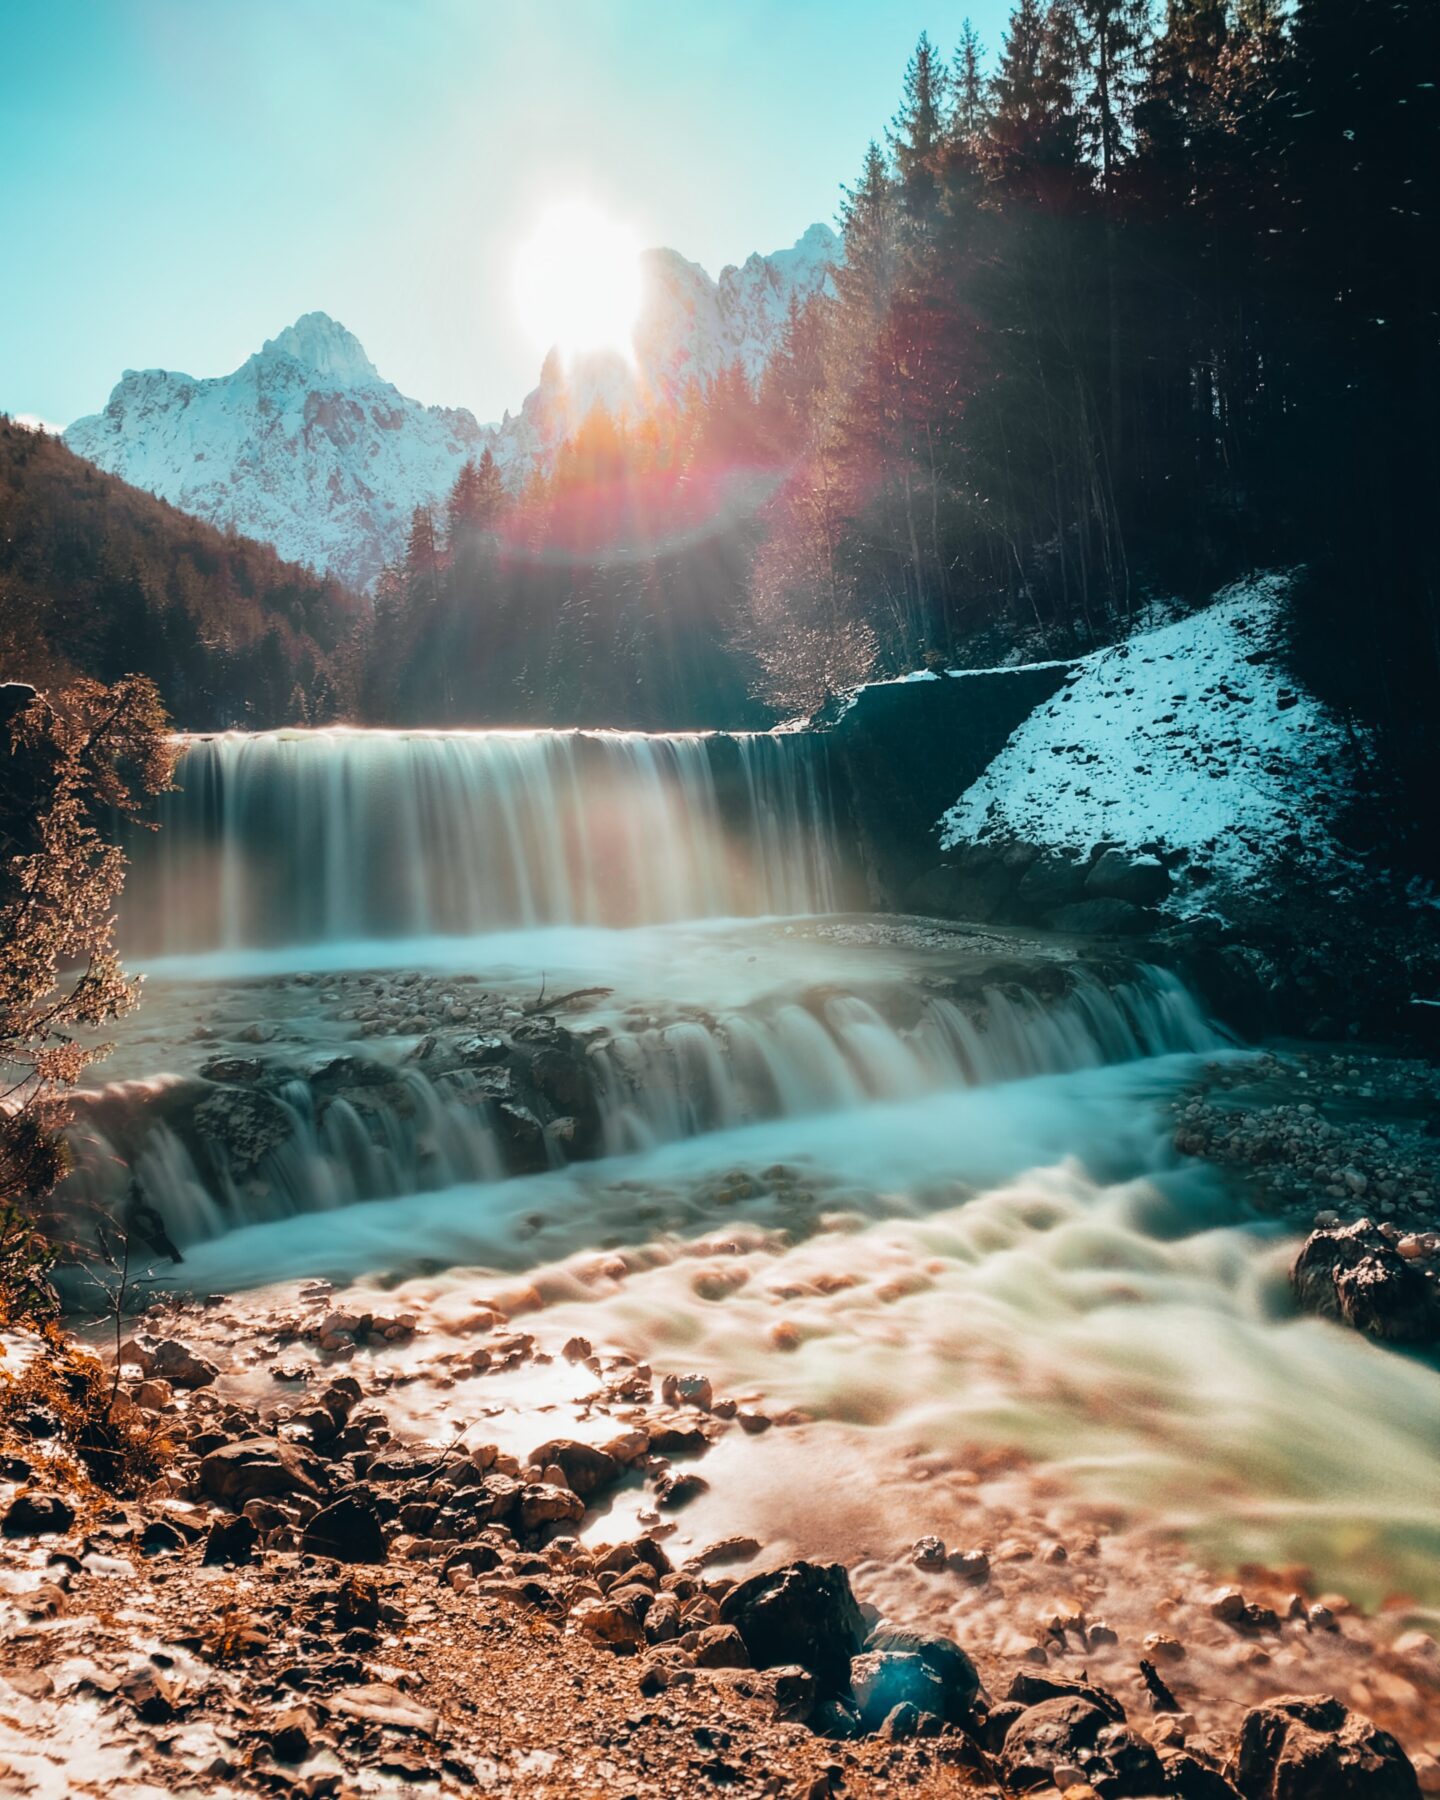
(914, 1183)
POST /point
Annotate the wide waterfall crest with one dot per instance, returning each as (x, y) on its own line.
(315, 837)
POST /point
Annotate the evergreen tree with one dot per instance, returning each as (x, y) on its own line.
(917, 132)
(969, 104)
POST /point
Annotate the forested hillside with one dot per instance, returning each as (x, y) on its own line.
(1132, 303)
(99, 579)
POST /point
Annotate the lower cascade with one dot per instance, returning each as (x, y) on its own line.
(590, 1029)
(236, 1152)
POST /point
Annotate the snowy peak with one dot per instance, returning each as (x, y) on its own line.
(325, 347)
(307, 447)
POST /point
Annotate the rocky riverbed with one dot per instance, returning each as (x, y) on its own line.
(376, 1557)
(947, 1438)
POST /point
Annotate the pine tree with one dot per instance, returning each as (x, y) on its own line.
(918, 130)
(969, 105)
(1113, 40)
(1015, 127)
(865, 279)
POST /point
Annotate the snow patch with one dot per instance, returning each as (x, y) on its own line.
(1191, 736)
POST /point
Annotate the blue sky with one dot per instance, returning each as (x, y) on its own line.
(182, 178)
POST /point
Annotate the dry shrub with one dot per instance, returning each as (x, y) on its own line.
(67, 1398)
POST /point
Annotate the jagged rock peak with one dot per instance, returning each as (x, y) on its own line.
(325, 346)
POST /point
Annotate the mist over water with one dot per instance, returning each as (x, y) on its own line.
(924, 1191)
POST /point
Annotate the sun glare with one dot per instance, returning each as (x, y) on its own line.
(577, 281)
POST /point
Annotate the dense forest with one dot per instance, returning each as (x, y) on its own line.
(1137, 302)
(98, 579)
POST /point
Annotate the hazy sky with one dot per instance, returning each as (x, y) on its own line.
(182, 178)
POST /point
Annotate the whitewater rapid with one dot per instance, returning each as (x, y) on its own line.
(915, 1185)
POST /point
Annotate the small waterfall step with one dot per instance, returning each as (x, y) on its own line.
(253, 1138)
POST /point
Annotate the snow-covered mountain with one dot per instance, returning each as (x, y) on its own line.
(307, 447)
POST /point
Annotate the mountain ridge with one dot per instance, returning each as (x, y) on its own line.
(307, 447)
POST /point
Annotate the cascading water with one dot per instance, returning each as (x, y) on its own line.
(317, 837)
(916, 1182)
(802, 1054)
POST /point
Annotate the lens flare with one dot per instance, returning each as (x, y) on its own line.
(577, 281)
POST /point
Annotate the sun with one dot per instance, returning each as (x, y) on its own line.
(577, 281)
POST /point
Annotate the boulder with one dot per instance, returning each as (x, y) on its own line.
(1355, 1274)
(673, 1491)
(231, 1071)
(379, 1703)
(246, 1124)
(1188, 1778)
(177, 1363)
(1312, 1747)
(961, 890)
(348, 1531)
(256, 1468)
(602, 1622)
(289, 1734)
(231, 1541)
(1124, 875)
(882, 1680)
(1052, 880)
(721, 1647)
(801, 1613)
(946, 1661)
(1100, 918)
(1029, 1687)
(543, 1503)
(1068, 1731)
(588, 1470)
(37, 1513)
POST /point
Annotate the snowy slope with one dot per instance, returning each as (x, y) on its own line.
(307, 447)
(1187, 737)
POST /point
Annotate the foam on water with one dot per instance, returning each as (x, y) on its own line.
(1025, 1266)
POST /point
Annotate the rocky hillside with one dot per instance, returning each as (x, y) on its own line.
(307, 447)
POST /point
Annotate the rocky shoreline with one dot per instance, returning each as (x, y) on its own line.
(306, 1597)
(377, 1541)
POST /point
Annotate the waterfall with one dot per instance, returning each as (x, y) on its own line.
(309, 837)
(807, 1053)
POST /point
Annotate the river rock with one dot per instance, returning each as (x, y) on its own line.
(1188, 1778)
(246, 1123)
(543, 1503)
(616, 1627)
(37, 1513)
(256, 1468)
(802, 1613)
(946, 1661)
(170, 1360)
(1029, 1688)
(349, 1531)
(1300, 1746)
(231, 1541)
(1355, 1273)
(587, 1469)
(721, 1647)
(1069, 1731)
(882, 1680)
